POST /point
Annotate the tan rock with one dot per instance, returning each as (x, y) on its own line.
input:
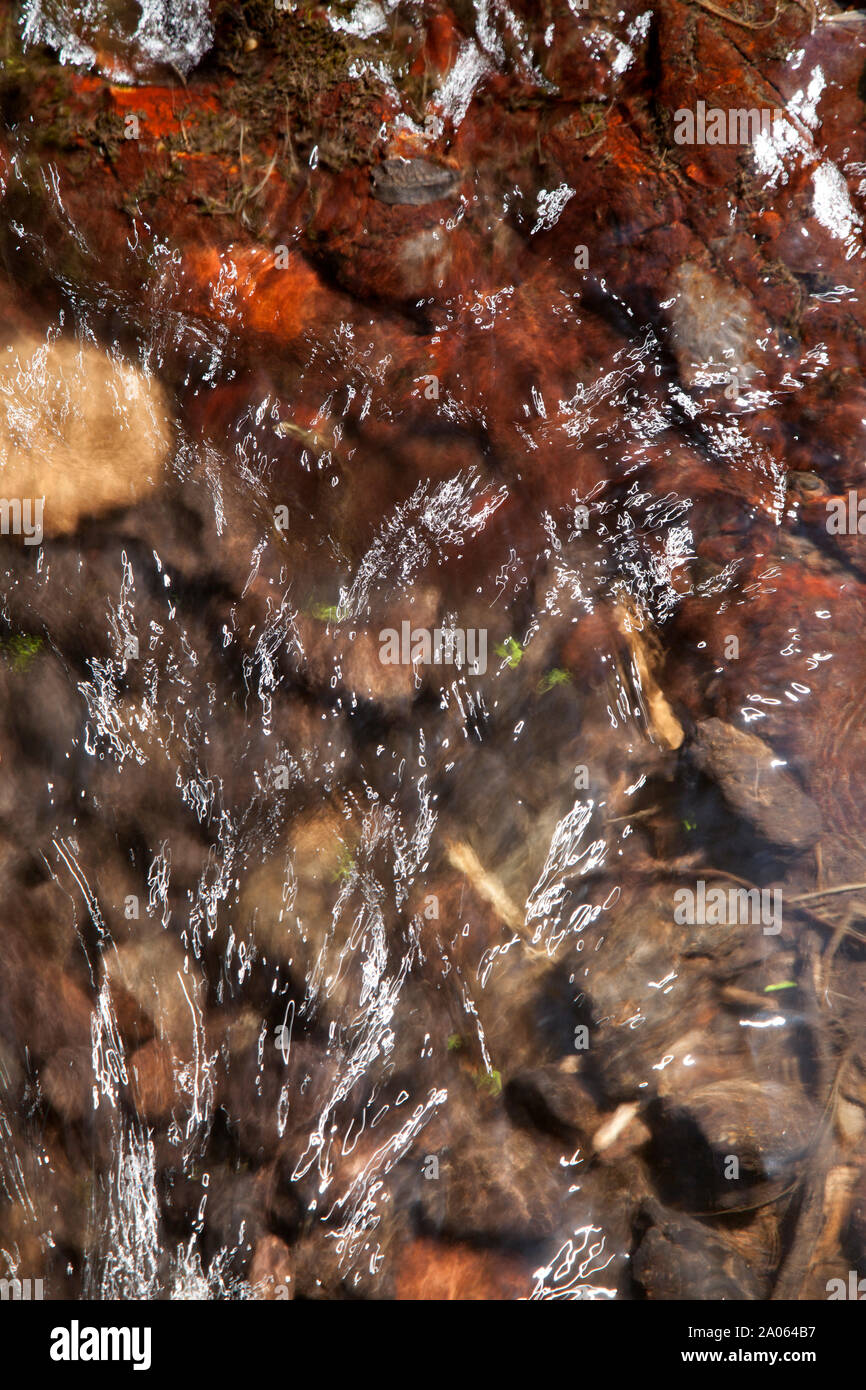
(152, 970)
(82, 429)
(714, 328)
(756, 784)
(289, 900)
(352, 659)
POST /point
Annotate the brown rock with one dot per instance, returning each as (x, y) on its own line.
(715, 1145)
(67, 1080)
(679, 1258)
(755, 787)
(493, 1186)
(271, 1270)
(136, 1027)
(41, 1007)
(152, 1079)
(634, 1019)
(152, 970)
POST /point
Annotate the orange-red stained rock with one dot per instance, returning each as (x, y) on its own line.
(441, 45)
(244, 287)
(429, 1271)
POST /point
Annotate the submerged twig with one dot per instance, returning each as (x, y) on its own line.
(829, 892)
(462, 857)
(722, 13)
(826, 1196)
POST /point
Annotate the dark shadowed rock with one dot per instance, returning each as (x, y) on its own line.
(856, 1235)
(235, 1210)
(715, 1146)
(553, 1101)
(680, 1258)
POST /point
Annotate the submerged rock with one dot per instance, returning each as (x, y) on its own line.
(67, 1081)
(493, 1186)
(805, 485)
(553, 1101)
(432, 919)
(713, 329)
(152, 1080)
(154, 971)
(271, 1271)
(718, 1144)
(680, 1258)
(413, 181)
(81, 433)
(755, 784)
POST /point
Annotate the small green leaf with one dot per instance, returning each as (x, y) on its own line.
(489, 1081)
(455, 1042)
(345, 866)
(552, 678)
(511, 651)
(690, 824)
(783, 984)
(325, 612)
(20, 650)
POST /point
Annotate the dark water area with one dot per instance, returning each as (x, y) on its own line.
(432, 831)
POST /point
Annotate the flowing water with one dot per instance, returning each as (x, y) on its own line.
(421, 633)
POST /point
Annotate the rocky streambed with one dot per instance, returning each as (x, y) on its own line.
(432, 831)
